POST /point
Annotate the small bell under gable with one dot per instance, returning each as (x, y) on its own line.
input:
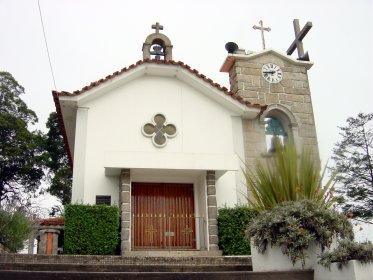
(157, 45)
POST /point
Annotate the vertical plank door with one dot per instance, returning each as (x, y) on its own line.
(163, 216)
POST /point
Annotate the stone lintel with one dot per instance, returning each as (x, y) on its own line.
(55, 227)
(49, 230)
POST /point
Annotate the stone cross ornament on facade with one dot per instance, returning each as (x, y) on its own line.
(262, 29)
(159, 130)
(297, 43)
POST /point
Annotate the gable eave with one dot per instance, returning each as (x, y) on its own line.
(187, 75)
(68, 133)
(231, 58)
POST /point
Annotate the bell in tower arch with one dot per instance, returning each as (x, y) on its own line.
(157, 45)
(275, 133)
(157, 51)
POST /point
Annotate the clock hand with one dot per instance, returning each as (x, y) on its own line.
(268, 72)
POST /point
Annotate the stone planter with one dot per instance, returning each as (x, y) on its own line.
(274, 260)
(353, 270)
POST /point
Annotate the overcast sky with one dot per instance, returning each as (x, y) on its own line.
(90, 39)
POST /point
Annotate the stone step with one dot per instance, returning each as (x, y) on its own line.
(221, 275)
(125, 260)
(16, 266)
(121, 267)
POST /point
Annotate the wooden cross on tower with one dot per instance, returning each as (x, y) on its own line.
(157, 27)
(297, 43)
(262, 29)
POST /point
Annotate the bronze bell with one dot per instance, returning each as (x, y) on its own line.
(272, 147)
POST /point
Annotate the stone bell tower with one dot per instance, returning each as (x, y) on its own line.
(281, 82)
(157, 45)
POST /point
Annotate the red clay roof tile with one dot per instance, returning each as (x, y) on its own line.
(59, 221)
(157, 61)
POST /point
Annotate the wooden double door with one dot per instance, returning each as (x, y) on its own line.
(163, 216)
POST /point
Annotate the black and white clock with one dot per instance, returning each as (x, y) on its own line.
(272, 73)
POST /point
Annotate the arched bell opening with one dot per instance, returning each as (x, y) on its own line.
(278, 128)
(157, 45)
(158, 49)
(275, 133)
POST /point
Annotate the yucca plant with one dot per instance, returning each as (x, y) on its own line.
(287, 177)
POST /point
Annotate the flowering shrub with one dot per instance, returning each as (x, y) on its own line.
(346, 251)
(293, 225)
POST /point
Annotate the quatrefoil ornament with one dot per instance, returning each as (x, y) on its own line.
(159, 130)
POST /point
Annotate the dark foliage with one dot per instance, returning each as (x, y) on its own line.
(354, 166)
(59, 172)
(21, 150)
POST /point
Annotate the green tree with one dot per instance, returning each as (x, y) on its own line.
(15, 228)
(21, 150)
(59, 172)
(354, 166)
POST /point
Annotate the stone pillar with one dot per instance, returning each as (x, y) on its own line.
(31, 240)
(48, 243)
(125, 210)
(212, 212)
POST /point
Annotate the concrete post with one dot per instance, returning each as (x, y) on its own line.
(48, 243)
(31, 241)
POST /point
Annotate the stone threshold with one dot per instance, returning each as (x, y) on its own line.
(173, 253)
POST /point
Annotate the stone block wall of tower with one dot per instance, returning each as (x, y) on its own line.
(290, 96)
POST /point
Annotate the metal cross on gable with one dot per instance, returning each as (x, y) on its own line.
(262, 29)
(297, 43)
(157, 27)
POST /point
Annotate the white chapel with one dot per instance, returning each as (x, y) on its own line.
(167, 144)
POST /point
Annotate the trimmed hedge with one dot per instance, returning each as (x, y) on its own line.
(233, 223)
(91, 229)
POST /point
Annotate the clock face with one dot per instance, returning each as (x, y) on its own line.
(272, 73)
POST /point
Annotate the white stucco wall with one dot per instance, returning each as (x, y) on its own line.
(111, 125)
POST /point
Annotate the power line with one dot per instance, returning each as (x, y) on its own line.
(46, 45)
